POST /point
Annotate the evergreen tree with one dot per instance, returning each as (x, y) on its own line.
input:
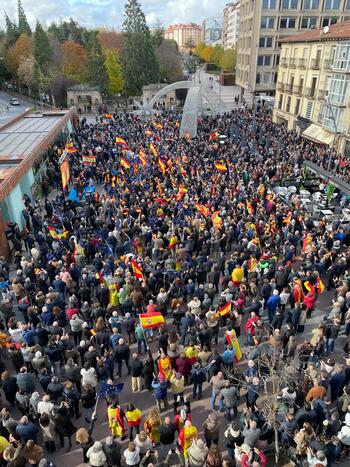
(158, 34)
(23, 25)
(138, 59)
(42, 52)
(95, 72)
(12, 33)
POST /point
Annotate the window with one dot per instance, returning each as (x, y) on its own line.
(289, 4)
(332, 4)
(337, 89)
(297, 107)
(311, 4)
(328, 21)
(287, 23)
(341, 60)
(269, 4)
(265, 42)
(288, 103)
(264, 60)
(331, 117)
(267, 22)
(308, 22)
(347, 5)
(280, 101)
(308, 111)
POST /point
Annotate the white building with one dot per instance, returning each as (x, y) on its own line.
(230, 28)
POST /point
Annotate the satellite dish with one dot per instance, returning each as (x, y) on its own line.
(325, 29)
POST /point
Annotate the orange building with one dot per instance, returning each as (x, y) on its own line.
(186, 36)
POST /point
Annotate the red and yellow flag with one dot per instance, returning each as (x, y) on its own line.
(252, 264)
(120, 141)
(309, 287)
(124, 163)
(142, 157)
(162, 166)
(220, 167)
(71, 148)
(133, 417)
(216, 219)
(153, 150)
(213, 136)
(57, 234)
(202, 209)
(65, 173)
(89, 160)
(153, 319)
(320, 286)
(108, 116)
(250, 208)
(287, 219)
(225, 310)
(137, 270)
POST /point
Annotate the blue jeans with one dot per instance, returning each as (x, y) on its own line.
(330, 345)
(139, 345)
(213, 400)
(197, 387)
(228, 412)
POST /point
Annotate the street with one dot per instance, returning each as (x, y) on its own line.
(7, 111)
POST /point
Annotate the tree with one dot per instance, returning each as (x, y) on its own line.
(17, 53)
(158, 33)
(216, 55)
(69, 31)
(199, 49)
(23, 25)
(228, 60)
(95, 70)
(26, 74)
(114, 72)
(170, 69)
(111, 40)
(42, 51)
(73, 60)
(139, 62)
(12, 33)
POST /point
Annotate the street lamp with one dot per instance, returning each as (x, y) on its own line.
(335, 125)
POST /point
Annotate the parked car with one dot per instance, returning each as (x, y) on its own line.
(14, 101)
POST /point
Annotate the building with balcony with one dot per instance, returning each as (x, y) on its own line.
(313, 85)
(230, 24)
(187, 36)
(264, 22)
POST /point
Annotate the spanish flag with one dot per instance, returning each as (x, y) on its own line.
(287, 219)
(162, 166)
(202, 209)
(124, 163)
(320, 285)
(213, 136)
(225, 310)
(250, 208)
(307, 240)
(57, 234)
(70, 148)
(120, 141)
(153, 319)
(159, 187)
(232, 342)
(216, 219)
(142, 157)
(252, 264)
(89, 160)
(309, 287)
(220, 167)
(133, 417)
(108, 116)
(137, 270)
(153, 150)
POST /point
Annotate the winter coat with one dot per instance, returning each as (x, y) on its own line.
(160, 389)
(196, 456)
(211, 427)
(96, 455)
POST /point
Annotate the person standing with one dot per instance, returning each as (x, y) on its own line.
(167, 437)
(136, 367)
(217, 382)
(133, 417)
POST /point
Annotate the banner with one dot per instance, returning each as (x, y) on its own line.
(65, 173)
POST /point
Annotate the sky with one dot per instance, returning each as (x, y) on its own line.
(109, 13)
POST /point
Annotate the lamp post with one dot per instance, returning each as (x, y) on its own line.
(335, 125)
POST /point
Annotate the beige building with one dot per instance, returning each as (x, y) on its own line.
(313, 85)
(264, 22)
(84, 97)
(166, 101)
(185, 35)
(230, 24)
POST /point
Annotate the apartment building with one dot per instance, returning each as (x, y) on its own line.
(185, 35)
(264, 22)
(313, 85)
(230, 25)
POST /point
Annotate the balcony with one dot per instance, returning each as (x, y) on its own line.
(288, 88)
(297, 90)
(302, 63)
(315, 64)
(322, 94)
(280, 87)
(327, 65)
(292, 63)
(284, 62)
(310, 93)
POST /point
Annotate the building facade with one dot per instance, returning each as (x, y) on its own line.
(264, 22)
(83, 97)
(230, 25)
(313, 85)
(186, 36)
(212, 31)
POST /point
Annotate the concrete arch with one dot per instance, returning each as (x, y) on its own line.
(189, 121)
(166, 90)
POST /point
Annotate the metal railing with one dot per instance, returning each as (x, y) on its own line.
(310, 92)
(284, 62)
(315, 64)
(292, 63)
(297, 90)
(280, 87)
(302, 62)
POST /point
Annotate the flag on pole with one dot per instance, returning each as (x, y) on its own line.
(108, 389)
(120, 141)
(150, 320)
(162, 165)
(232, 342)
(89, 160)
(320, 285)
(57, 234)
(153, 150)
(65, 173)
(287, 219)
(71, 148)
(225, 310)
(142, 157)
(137, 270)
(220, 167)
(204, 210)
(124, 163)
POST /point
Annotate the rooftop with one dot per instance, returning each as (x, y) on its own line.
(339, 31)
(23, 139)
(82, 87)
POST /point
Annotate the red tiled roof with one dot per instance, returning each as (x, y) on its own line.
(336, 31)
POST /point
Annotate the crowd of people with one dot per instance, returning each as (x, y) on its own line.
(189, 234)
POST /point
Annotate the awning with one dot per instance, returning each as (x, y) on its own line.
(318, 134)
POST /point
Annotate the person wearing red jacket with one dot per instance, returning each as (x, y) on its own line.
(309, 301)
(250, 326)
(252, 455)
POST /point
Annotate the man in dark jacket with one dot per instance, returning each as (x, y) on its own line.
(112, 450)
(26, 430)
(25, 381)
(122, 353)
(55, 389)
(186, 322)
(136, 367)
(167, 436)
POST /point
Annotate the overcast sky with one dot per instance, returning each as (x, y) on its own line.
(109, 13)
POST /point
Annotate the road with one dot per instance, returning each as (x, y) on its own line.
(13, 110)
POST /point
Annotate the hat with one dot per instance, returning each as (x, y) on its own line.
(38, 354)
